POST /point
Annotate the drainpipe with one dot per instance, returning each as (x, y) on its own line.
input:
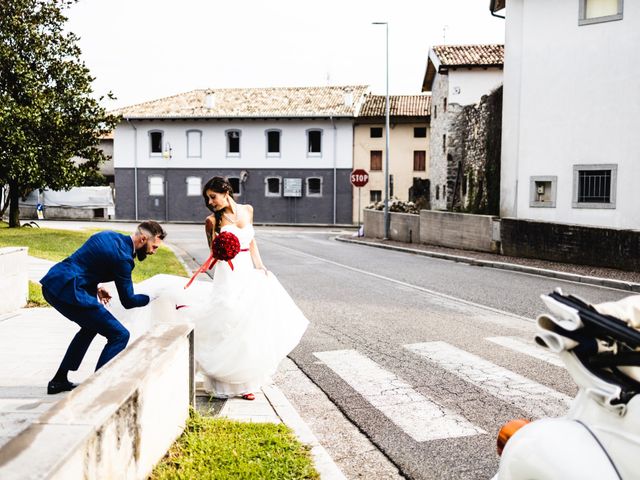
(135, 167)
(335, 150)
(492, 5)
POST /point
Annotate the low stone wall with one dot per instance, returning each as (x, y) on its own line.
(51, 213)
(403, 227)
(598, 247)
(14, 278)
(373, 223)
(460, 230)
(117, 424)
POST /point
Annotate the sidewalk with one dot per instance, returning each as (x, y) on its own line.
(32, 342)
(604, 277)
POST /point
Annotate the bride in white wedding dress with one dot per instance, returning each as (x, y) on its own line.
(245, 321)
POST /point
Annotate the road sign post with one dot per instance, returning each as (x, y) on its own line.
(359, 178)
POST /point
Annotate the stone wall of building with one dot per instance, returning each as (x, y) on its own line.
(473, 156)
(441, 121)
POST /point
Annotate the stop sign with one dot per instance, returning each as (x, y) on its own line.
(359, 178)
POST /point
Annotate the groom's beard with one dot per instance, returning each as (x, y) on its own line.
(141, 253)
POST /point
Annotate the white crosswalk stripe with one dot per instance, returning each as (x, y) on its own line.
(534, 398)
(419, 417)
(531, 349)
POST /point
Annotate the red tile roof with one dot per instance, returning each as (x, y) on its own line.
(468, 55)
(253, 103)
(399, 106)
(452, 56)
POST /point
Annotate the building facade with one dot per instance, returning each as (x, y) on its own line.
(571, 112)
(408, 146)
(286, 151)
(456, 76)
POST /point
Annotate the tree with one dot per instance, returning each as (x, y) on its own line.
(48, 113)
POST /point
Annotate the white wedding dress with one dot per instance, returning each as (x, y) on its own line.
(245, 321)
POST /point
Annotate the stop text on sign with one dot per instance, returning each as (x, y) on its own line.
(359, 178)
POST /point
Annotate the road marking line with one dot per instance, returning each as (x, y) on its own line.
(528, 348)
(416, 415)
(534, 398)
(405, 284)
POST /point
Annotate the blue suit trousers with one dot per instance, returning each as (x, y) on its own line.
(92, 321)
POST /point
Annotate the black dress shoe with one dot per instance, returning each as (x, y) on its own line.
(58, 387)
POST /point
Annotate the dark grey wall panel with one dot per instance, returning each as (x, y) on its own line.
(598, 247)
(175, 205)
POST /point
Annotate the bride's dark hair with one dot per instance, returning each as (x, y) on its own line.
(218, 185)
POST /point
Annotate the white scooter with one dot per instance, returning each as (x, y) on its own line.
(600, 436)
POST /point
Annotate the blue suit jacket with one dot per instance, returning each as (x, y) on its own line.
(104, 257)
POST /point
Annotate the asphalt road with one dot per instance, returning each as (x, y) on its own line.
(428, 358)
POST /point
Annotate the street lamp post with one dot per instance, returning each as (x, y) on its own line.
(386, 134)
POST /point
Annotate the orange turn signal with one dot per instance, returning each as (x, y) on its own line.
(507, 431)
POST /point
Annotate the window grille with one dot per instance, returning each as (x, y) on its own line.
(594, 186)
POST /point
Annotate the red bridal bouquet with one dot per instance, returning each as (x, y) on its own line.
(225, 247)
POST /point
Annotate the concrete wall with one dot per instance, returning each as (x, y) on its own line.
(27, 211)
(175, 204)
(403, 227)
(454, 230)
(600, 247)
(117, 424)
(401, 147)
(458, 230)
(568, 101)
(14, 280)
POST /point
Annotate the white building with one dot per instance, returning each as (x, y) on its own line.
(571, 115)
(287, 151)
(456, 76)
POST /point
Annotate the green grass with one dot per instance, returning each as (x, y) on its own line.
(217, 448)
(55, 245)
(163, 261)
(46, 243)
(35, 296)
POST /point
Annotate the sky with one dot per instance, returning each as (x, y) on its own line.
(146, 49)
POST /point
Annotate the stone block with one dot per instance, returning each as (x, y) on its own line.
(458, 230)
(120, 422)
(14, 278)
(403, 227)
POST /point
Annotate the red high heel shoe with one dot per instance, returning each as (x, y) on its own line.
(249, 396)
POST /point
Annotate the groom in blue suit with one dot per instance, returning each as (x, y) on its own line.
(72, 288)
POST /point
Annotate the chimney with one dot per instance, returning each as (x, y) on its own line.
(209, 99)
(348, 97)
